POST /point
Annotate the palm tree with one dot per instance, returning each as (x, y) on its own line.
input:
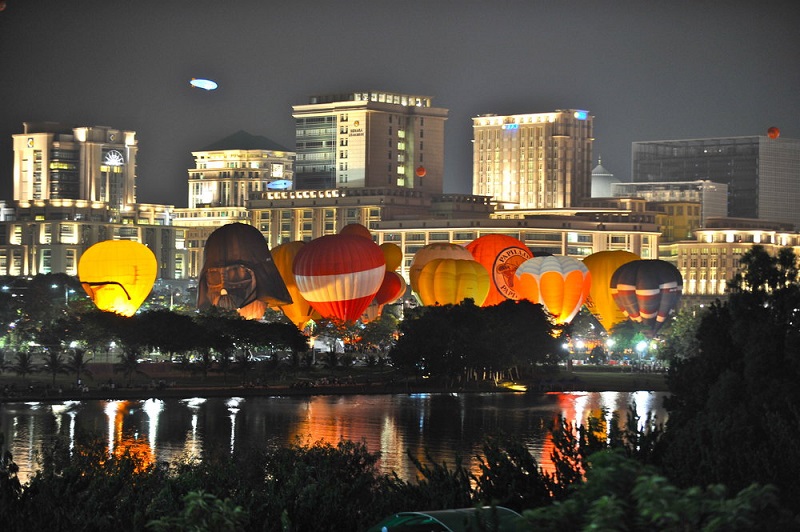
(24, 365)
(54, 364)
(78, 364)
(128, 365)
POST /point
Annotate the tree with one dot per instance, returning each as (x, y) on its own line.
(24, 365)
(54, 364)
(733, 415)
(78, 364)
(128, 365)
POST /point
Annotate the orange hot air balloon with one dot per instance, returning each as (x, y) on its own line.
(339, 275)
(239, 274)
(602, 266)
(300, 312)
(118, 275)
(560, 284)
(421, 171)
(647, 291)
(393, 255)
(773, 132)
(501, 255)
(442, 250)
(356, 229)
(392, 288)
(451, 281)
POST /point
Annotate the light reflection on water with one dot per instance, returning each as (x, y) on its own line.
(443, 425)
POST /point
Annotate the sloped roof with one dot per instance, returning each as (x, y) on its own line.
(242, 140)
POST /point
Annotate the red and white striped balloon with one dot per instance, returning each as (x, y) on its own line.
(339, 275)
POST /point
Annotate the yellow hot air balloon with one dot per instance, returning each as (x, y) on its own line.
(442, 250)
(561, 284)
(300, 312)
(602, 266)
(393, 255)
(451, 281)
(118, 275)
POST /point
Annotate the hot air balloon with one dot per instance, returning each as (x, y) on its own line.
(339, 274)
(602, 266)
(773, 132)
(451, 281)
(392, 288)
(647, 291)
(300, 311)
(118, 275)
(442, 250)
(500, 255)
(393, 255)
(560, 284)
(239, 273)
(356, 229)
(421, 171)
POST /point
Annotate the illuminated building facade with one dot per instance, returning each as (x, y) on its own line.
(712, 197)
(55, 161)
(761, 173)
(369, 139)
(712, 259)
(533, 161)
(49, 236)
(229, 171)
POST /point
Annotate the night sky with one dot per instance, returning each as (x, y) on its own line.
(645, 70)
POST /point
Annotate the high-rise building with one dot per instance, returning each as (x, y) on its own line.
(229, 171)
(369, 139)
(711, 197)
(762, 174)
(95, 163)
(533, 161)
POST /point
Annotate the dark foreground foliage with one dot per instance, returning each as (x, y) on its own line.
(329, 487)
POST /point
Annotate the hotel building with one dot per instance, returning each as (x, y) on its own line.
(533, 161)
(369, 139)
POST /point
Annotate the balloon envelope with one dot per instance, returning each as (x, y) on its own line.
(451, 281)
(339, 274)
(773, 132)
(356, 229)
(238, 270)
(561, 284)
(300, 311)
(443, 250)
(501, 255)
(602, 266)
(647, 291)
(118, 275)
(393, 255)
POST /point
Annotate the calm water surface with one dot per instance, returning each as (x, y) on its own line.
(444, 424)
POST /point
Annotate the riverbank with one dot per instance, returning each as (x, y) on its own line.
(162, 382)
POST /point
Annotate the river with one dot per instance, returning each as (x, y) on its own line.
(394, 424)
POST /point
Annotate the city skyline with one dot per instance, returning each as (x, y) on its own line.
(657, 72)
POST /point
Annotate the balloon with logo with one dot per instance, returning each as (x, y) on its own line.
(340, 274)
(602, 266)
(439, 250)
(647, 291)
(501, 255)
(561, 284)
(451, 281)
(239, 274)
(300, 311)
(118, 275)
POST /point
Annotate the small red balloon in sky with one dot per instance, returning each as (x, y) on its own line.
(773, 132)
(2, 6)
(421, 171)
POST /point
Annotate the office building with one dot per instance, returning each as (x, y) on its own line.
(712, 197)
(761, 173)
(56, 161)
(369, 139)
(229, 171)
(533, 161)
